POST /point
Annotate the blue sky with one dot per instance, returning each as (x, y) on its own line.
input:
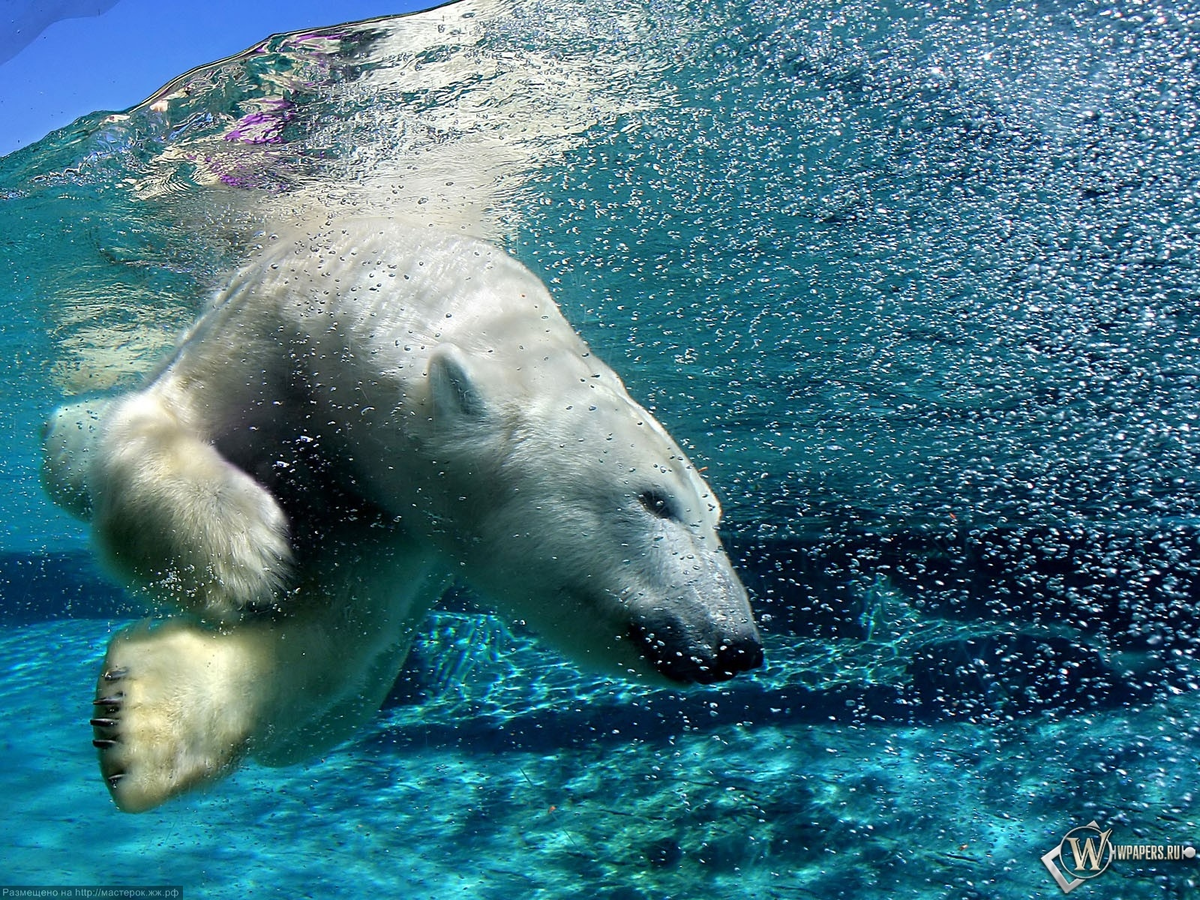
(50, 77)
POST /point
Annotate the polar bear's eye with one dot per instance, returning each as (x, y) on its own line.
(657, 504)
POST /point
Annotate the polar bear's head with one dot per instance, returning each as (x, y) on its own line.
(586, 519)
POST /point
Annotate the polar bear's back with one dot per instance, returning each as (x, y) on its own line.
(362, 299)
(379, 277)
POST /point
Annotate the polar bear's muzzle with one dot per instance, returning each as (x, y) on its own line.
(693, 643)
(681, 657)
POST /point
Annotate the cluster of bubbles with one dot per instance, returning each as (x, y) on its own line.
(916, 281)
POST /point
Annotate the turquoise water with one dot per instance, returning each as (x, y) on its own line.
(916, 283)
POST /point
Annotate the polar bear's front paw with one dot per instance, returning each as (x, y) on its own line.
(158, 728)
(193, 530)
(240, 559)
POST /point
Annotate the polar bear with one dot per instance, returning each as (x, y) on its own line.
(367, 412)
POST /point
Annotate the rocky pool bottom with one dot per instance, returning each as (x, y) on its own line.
(495, 771)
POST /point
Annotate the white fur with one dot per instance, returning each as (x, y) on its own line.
(171, 515)
(368, 410)
(194, 701)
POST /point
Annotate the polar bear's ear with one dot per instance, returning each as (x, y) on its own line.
(452, 387)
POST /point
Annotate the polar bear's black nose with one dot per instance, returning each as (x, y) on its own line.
(683, 658)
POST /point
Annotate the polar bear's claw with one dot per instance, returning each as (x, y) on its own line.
(153, 729)
(105, 727)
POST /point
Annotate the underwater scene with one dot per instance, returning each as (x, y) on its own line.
(915, 286)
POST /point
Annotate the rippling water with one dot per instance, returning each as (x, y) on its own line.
(917, 282)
